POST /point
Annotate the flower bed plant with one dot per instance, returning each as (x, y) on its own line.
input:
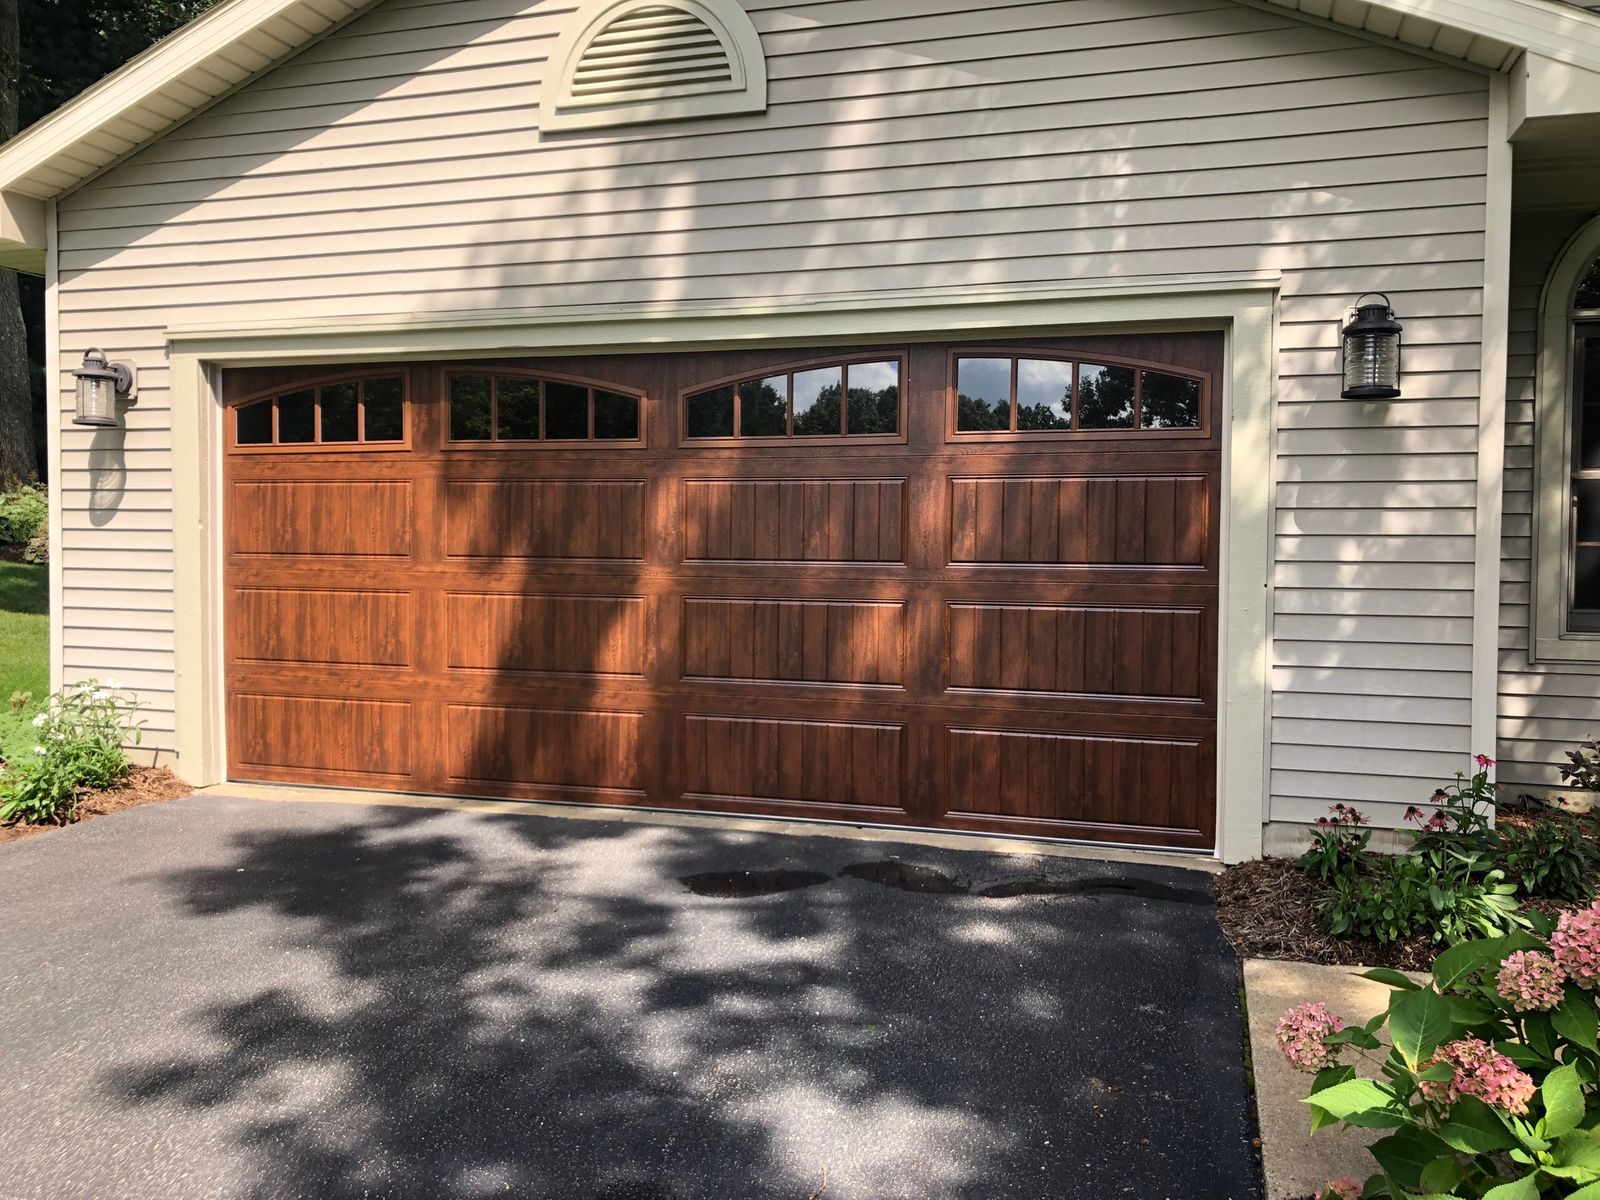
(1462, 877)
(1487, 1090)
(81, 734)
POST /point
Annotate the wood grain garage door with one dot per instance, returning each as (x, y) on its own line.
(965, 586)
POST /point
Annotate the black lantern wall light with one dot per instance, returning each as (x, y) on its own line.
(1372, 351)
(100, 385)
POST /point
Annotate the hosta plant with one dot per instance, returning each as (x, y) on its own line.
(1488, 1088)
(80, 738)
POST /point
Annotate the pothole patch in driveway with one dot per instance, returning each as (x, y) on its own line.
(741, 885)
(930, 881)
(908, 877)
(1139, 888)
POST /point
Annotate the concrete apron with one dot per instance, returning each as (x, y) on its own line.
(1296, 1164)
(983, 843)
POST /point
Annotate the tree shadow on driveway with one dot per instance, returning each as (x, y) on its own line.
(531, 1007)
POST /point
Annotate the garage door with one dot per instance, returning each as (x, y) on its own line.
(968, 586)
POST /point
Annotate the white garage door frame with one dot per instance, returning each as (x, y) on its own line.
(1241, 307)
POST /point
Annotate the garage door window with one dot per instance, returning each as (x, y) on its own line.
(860, 399)
(1024, 396)
(339, 414)
(495, 407)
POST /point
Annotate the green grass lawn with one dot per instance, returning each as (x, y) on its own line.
(24, 648)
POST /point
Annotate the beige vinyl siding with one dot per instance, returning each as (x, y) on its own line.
(1545, 709)
(396, 168)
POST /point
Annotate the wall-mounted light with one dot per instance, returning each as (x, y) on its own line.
(100, 385)
(1372, 352)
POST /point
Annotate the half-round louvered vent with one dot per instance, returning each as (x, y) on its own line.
(627, 61)
(657, 50)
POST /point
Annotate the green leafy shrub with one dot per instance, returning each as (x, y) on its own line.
(81, 734)
(1441, 893)
(1338, 845)
(38, 548)
(1549, 856)
(24, 511)
(1488, 1088)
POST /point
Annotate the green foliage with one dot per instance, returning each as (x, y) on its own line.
(1462, 876)
(1522, 1123)
(67, 45)
(1549, 856)
(24, 511)
(1338, 845)
(81, 733)
(37, 551)
(1438, 893)
(24, 630)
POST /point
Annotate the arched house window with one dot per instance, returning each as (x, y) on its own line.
(1567, 457)
(626, 62)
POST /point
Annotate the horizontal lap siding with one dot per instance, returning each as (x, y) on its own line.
(396, 168)
(1545, 709)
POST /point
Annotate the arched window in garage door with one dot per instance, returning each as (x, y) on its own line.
(338, 413)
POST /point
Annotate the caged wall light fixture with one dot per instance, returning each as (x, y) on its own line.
(1372, 352)
(100, 385)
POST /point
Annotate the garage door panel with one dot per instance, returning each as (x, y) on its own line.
(794, 520)
(1159, 784)
(1158, 520)
(295, 735)
(322, 518)
(795, 641)
(543, 747)
(834, 763)
(545, 518)
(324, 626)
(544, 633)
(1147, 652)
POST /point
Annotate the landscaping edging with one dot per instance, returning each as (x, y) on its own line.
(1295, 1164)
(144, 785)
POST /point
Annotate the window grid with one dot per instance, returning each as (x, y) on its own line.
(362, 439)
(788, 375)
(1136, 423)
(542, 385)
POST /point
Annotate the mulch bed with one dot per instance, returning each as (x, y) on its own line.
(1268, 909)
(144, 785)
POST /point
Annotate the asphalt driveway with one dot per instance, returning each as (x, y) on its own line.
(233, 998)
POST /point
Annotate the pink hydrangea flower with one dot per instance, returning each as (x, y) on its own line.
(1342, 1188)
(1481, 1071)
(1300, 1034)
(1530, 981)
(1576, 945)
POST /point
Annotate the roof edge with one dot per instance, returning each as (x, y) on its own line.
(120, 94)
(203, 59)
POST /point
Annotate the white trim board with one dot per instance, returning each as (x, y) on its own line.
(1492, 388)
(1245, 312)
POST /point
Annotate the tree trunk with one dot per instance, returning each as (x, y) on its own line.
(17, 461)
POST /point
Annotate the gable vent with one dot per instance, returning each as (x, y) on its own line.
(659, 49)
(627, 62)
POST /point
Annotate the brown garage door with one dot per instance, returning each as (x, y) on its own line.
(971, 586)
